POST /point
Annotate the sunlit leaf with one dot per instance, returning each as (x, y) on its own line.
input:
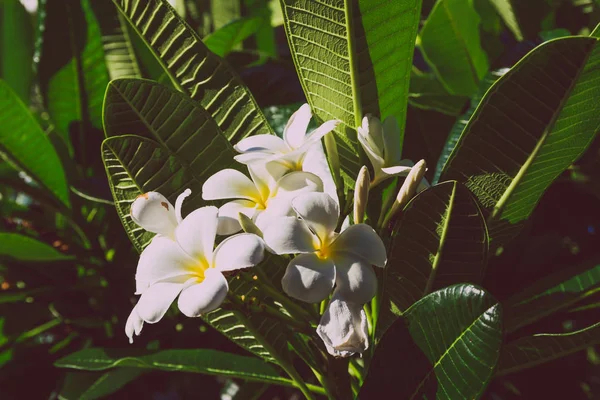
(545, 105)
(195, 70)
(224, 40)
(72, 70)
(552, 293)
(16, 48)
(353, 58)
(440, 240)
(94, 385)
(428, 93)
(121, 59)
(536, 349)
(445, 346)
(462, 121)
(25, 248)
(204, 361)
(505, 10)
(450, 42)
(26, 146)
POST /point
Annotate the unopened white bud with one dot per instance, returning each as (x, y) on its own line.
(361, 194)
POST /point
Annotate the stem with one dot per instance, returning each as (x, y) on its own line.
(294, 309)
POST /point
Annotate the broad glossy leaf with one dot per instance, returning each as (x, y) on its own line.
(551, 294)
(506, 12)
(204, 361)
(72, 70)
(25, 248)
(26, 146)
(428, 93)
(531, 125)
(185, 146)
(353, 57)
(450, 42)
(462, 122)
(94, 385)
(445, 346)
(121, 59)
(225, 39)
(440, 240)
(537, 349)
(16, 48)
(193, 69)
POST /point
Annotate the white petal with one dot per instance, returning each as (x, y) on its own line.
(295, 183)
(254, 157)
(397, 170)
(355, 279)
(228, 215)
(205, 296)
(362, 241)
(289, 235)
(229, 184)
(375, 158)
(295, 130)
(316, 162)
(153, 212)
(316, 135)
(133, 325)
(162, 259)
(343, 328)
(261, 143)
(196, 233)
(278, 207)
(319, 211)
(179, 203)
(308, 278)
(157, 299)
(391, 140)
(239, 251)
(372, 131)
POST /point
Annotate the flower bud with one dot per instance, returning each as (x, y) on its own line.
(361, 194)
(408, 188)
(344, 328)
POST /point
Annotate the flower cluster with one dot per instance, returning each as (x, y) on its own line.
(291, 201)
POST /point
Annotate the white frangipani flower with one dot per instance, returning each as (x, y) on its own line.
(181, 260)
(289, 151)
(343, 327)
(258, 198)
(325, 258)
(381, 142)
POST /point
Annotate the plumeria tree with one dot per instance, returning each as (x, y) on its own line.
(341, 261)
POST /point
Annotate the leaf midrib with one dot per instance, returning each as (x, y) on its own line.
(457, 340)
(502, 202)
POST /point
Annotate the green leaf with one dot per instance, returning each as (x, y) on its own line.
(165, 158)
(24, 145)
(537, 349)
(428, 93)
(25, 248)
(353, 57)
(90, 385)
(203, 361)
(530, 126)
(121, 59)
(16, 48)
(450, 42)
(72, 70)
(461, 123)
(506, 12)
(445, 346)
(553, 293)
(440, 240)
(225, 39)
(194, 70)
(179, 146)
